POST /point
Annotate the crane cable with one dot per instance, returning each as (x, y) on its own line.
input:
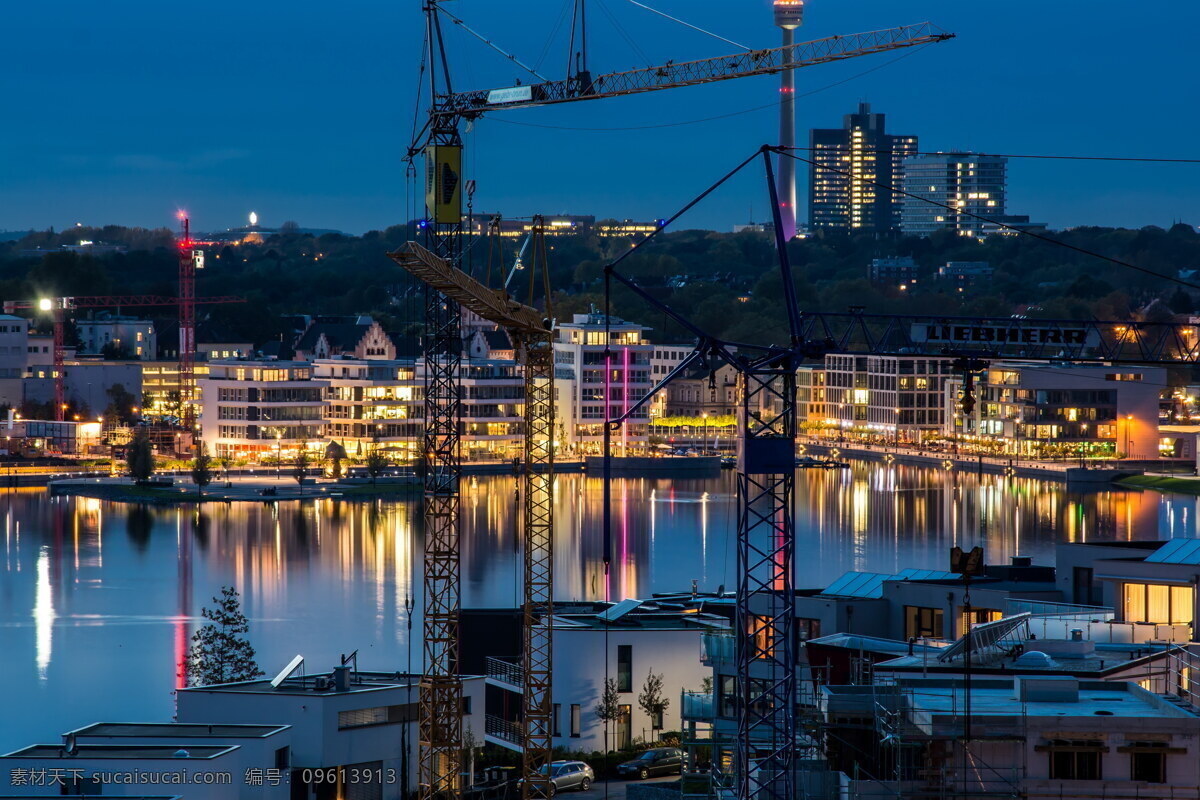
(458, 21)
(690, 25)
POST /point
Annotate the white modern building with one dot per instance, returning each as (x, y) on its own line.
(118, 337)
(360, 721)
(625, 642)
(255, 408)
(372, 403)
(590, 388)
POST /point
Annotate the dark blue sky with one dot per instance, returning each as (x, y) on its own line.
(121, 113)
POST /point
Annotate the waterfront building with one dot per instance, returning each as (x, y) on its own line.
(251, 408)
(584, 391)
(893, 271)
(1033, 409)
(969, 183)
(963, 276)
(665, 358)
(364, 721)
(493, 408)
(1037, 735)
(491, 343)
(856, 157)
(115, 336)
(810, 396)
(895, 398)
(41, 350)
(372, 403)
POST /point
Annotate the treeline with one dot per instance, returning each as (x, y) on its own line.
(728, 284)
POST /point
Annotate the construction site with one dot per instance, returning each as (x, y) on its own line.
(799, 731)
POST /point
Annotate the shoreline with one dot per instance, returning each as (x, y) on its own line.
(239, 493)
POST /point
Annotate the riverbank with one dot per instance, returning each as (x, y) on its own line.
(257, 490)
(1095, 475)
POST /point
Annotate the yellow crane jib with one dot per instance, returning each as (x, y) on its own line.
(494, 305)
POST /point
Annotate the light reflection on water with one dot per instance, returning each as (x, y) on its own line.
(98, 601)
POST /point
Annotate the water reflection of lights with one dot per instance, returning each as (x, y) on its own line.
(43, 613)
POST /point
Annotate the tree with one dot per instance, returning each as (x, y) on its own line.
(608, 710)
(220, 653)
(651, 699)
(139, 456)
(300, 464)
(376, 463)
(202, 470)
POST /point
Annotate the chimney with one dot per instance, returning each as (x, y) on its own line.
(341, 679)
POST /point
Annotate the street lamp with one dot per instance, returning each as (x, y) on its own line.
(704, 416)
(1128, 424)
(896, 445)
(278, 453)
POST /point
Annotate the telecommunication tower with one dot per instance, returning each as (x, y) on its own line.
(789, 15)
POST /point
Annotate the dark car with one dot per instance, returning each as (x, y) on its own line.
(660, 761)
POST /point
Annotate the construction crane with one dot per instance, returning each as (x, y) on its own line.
(530, 331)
(440, 142)
(58, 308)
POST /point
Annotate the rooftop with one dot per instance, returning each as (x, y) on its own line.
(121, 751)
(308, 684)
(179, 730)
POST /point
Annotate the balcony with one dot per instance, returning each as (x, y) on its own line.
(696, 706)
(505, 674)
(502, 733)
(716, 647)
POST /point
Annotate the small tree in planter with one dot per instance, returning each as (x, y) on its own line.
(300, 465)
(376, 463)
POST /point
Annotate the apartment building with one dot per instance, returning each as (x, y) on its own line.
(372, 402)
(115, 336)
(894, 397)
(14, 355)
(254, 408)
(589, 389)
(1027, 409)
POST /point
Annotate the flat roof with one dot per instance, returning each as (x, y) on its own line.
(121, 751)
(182, 730)
(359, 682)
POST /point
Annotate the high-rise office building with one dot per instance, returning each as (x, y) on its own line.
(966, 182)
(859, 159)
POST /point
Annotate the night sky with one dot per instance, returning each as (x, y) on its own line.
(124, 112)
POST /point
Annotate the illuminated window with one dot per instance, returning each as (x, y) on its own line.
(1158, 603)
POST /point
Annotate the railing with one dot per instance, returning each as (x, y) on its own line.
(506, 671)
(502, 729)
(716, 647)
(1050, 608)
(696, 706)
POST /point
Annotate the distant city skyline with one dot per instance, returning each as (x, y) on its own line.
(304, 115)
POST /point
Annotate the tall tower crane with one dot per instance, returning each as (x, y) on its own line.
(530, 331)
(440, 142)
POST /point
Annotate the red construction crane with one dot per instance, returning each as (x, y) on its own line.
(60, 305)
(189, 261)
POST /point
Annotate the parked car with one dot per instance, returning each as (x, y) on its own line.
(568, 776)
(659, 761)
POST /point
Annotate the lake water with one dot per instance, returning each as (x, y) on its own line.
(98, 600)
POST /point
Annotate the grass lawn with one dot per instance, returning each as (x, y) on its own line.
(1161, 483)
